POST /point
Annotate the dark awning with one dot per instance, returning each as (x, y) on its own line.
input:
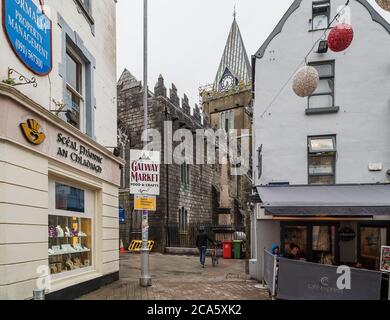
(339, 200)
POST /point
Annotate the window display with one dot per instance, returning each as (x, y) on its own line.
(70, 228)
(69, 243)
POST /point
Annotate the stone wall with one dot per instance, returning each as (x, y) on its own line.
(197, 197)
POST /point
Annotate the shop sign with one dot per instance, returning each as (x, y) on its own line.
(32, 132)
(347, 234)
(145, 203)
(122, 216)
(145, 172)
(79, 154)
(385, 259)
(29, 32)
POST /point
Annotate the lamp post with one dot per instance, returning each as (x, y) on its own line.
(145, 280)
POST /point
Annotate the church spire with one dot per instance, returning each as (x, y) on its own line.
(235, 61)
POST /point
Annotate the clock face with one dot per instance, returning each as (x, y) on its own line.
(227, 82)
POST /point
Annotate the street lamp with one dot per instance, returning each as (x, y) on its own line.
(145, 280)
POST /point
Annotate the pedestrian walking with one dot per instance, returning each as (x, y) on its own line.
(201, 243)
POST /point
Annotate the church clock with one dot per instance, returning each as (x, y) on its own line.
(228, 81)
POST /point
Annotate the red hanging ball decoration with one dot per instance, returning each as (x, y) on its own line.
(340, 37)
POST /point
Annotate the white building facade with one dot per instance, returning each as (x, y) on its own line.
(321, 163)
(59, 179)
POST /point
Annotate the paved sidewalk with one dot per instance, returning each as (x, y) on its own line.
(181, 278)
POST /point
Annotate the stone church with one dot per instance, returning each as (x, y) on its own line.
(190, 194)
(186, 191)
(227, 105)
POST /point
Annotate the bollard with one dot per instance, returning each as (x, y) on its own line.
(39, 294)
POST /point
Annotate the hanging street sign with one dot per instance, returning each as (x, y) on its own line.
(144, 173)
(29, 32)
(146, 203)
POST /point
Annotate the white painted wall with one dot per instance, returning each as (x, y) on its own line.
(102, 46)
(362, 87)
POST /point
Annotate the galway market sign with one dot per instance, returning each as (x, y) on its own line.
(145, 172)
(29, 32)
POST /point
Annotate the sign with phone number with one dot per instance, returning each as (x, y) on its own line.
(29, 32)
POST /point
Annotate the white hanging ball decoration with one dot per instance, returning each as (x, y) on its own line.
(384, 4)
(306, 81)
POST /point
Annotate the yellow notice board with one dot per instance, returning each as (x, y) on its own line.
(146, 203)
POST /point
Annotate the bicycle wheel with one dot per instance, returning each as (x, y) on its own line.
(214, 261)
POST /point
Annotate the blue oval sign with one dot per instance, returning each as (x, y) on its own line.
(29, 32)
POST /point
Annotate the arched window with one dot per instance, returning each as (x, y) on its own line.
(183, 220)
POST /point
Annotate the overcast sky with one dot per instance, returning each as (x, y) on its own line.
(187, 37)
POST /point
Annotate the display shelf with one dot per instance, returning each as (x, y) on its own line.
(67, 253)
(54, 238)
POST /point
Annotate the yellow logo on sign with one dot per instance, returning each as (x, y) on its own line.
(31, 131)
(145, 203)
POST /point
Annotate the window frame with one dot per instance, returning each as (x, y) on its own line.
(76, 93)
(318, 3)
(79, 72)
(70, 39)
(332, 77)
(325, 153)
(86, 10)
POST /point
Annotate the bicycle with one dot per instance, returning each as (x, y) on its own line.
(215, 258)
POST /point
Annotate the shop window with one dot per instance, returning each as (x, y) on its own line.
(317, 243)
(183, 220)
(295, 236)
(371, 241)
(69, 198)
(322, 160)
(323, 97)
(70, 233)
(74, 89)
(324, 245)
(320, 15)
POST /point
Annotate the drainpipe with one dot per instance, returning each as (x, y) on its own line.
(167, 189)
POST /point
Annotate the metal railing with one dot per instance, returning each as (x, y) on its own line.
(187, 238)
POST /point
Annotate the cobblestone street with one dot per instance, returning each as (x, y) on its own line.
(181, 278)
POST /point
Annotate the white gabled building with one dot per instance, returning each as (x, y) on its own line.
(59, 178)
(322, 163)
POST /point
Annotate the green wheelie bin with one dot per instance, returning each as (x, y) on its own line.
(238, 246)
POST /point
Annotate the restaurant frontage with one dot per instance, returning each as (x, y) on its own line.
(318, 229)
(59, 224)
